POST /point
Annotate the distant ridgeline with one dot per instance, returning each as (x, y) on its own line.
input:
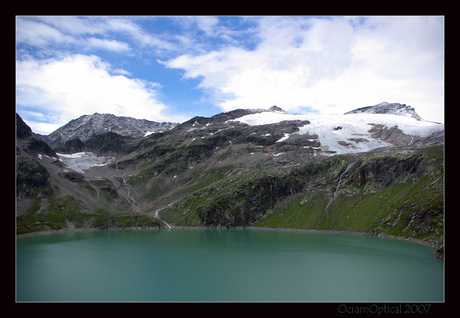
(86, 127)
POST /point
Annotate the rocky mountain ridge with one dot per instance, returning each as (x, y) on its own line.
(375, 173)
(87, 126)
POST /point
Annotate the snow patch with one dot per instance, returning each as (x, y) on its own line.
(81, 161)
(266, 118)
(285, 137)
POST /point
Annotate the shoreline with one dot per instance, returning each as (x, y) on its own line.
(280, 229)
(382, 235)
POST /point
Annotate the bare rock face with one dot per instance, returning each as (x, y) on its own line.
(88, 126)
(393, 135)
(397, 137)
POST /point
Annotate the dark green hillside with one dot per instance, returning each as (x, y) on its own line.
(391, 193)
(32, 179)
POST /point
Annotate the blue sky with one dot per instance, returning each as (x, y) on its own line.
(173, 68)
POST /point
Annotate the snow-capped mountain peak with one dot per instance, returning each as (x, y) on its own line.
(276, 109)
(387, 108)
(360, 130)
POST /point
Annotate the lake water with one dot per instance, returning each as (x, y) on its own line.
(224, 265)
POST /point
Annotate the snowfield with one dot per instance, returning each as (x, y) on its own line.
(332, 129)
(83, 160)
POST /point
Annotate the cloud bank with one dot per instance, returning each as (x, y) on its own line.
(69, 87)
(328, 65)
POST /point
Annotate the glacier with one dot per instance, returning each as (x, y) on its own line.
(81, 161)
(345, 133)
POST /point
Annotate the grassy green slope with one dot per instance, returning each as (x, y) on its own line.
(388, 193)
(390, 210)
(412, 205)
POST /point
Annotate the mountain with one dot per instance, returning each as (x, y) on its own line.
(51, 195)
(379, 173)
(361, 130)
(87, 126)
(28, 141)
(387, 108)
(32, 179)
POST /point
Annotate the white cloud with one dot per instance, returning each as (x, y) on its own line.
(330, 65)
(39, 34)
(111, 45)
(287, 61)
(42, 128)
(81, 33)
(75, 25)
(207, 24)
(136, 33)
(70, 87)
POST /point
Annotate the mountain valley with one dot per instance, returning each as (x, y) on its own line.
(377, 169)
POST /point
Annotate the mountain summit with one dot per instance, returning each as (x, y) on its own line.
(276, 109)
(88, 126)
(387, 108)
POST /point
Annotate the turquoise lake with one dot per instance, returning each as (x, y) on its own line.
(224, 265)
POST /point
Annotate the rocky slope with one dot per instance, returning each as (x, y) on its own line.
(51, 196)
(87, 126)
(367, 172)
